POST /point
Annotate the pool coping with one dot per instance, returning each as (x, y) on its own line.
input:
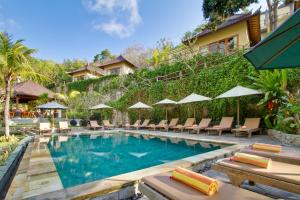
(51, 187)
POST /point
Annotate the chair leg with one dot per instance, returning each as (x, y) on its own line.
(235, 180)
(249, 134)
(220, 132)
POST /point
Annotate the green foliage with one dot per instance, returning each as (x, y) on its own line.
(161, 52)
(103, 55)
(83, 85)
(288, 119)
(223, 9)
(7, 144)
(273, 84)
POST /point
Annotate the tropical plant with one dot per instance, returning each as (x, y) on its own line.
(288, 117)
(14, 61)
(273, 84)
(161, 53)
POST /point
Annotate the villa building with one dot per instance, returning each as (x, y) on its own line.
(119, 66)
(238, 31)
(86, 72)
(284, 11)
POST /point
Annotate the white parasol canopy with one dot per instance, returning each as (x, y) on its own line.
(166, 103)
(238, 91)
(193, 98)
(140, 106)
(100, 106)
(52, 106)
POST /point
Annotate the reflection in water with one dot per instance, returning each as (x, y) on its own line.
(138, 155)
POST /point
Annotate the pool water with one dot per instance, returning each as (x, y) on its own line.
(82, 159)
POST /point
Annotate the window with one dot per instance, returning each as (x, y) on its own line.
(213, 47)
(115, 71)
(232, 43)
(222, 46)
(203, 50)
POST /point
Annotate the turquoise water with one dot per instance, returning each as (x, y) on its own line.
(82, 159)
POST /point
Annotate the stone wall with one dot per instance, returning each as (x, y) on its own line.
(284, 138)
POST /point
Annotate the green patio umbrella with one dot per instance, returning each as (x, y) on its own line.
(280, 49)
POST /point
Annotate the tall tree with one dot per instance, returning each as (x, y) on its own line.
(103, 55)
(213, 9)
(14, 61)
(272, 13)
(138, 55)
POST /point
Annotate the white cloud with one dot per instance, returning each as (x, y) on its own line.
(117, 10)
(8, 23)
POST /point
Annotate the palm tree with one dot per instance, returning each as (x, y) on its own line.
(14, 61)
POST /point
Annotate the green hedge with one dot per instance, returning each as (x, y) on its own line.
(208, 75)
(82, 86)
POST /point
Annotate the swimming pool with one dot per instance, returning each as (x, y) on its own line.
(83, 159)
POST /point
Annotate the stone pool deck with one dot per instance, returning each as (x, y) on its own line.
(37, 178)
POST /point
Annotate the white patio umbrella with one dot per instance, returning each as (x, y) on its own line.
(100, 106)
(139, 106)
(193, 98)
(238, 92)
(166, 103)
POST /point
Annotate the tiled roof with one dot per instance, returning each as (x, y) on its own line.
(114, 61)
(90, 68)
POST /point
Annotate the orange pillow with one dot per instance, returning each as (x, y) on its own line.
(197, 181)
(252, 160)
(267, 147)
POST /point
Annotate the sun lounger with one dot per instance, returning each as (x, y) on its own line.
(137, 123)
(63, 126)
(283, 156)
(251, 125)
(162, 187)
(225, 125)
(107, 124)
(280, 175)
(161, 125)
(204, 123)
(94, 125)
(44, 127)
(172, 124)
(188, 124)
(145, 124)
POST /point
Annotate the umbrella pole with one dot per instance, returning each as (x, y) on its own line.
(238, 111)
(166, 114)
(194, 112)
(53, 121)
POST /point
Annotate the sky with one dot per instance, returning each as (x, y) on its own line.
(79, 29)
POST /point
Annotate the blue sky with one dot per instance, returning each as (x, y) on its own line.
(62, 29)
